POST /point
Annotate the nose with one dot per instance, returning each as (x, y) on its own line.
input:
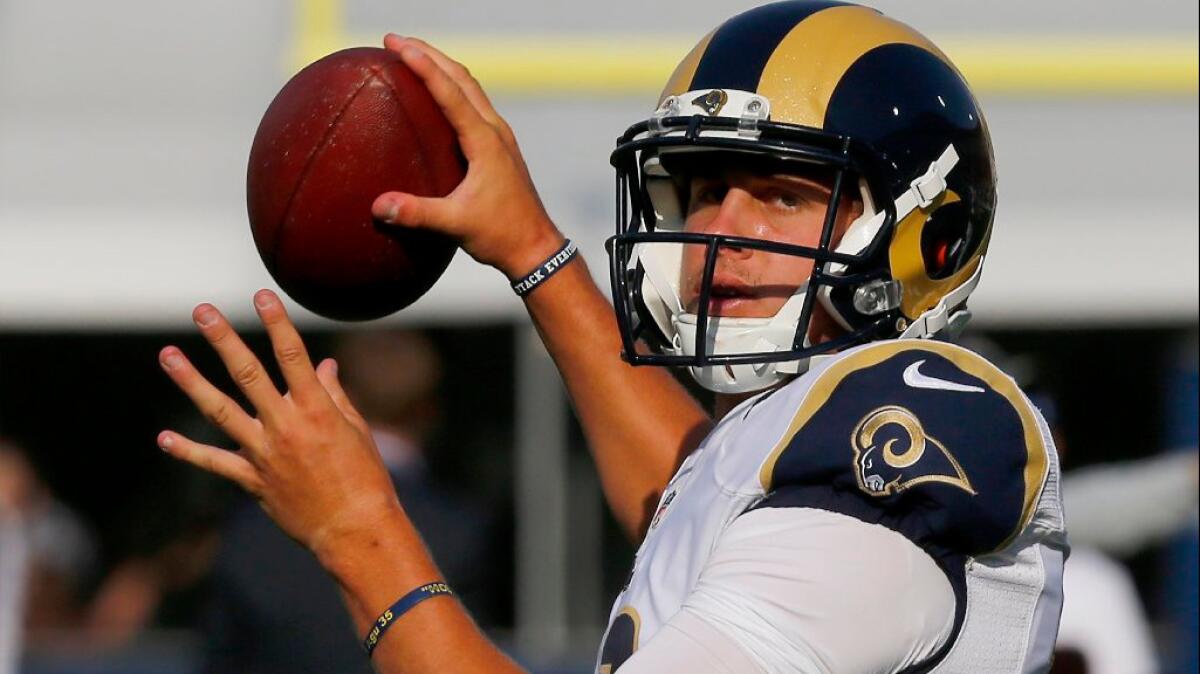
(736, 216)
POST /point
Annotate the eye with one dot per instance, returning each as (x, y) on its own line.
(705, 192)
(787, 200)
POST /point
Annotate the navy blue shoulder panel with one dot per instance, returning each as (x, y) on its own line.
(741, 47)
(925, 438)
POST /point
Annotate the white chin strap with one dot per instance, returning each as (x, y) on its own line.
(726, 335)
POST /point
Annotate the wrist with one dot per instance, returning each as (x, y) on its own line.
(374, 565)
(530, 253)
(351, 554)
(544, 271)
(399, 608)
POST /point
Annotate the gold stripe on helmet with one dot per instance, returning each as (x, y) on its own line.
(810, 61)
(681, 80)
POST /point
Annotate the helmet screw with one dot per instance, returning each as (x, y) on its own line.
(901, 324)
(754, 106)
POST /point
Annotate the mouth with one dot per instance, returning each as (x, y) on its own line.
(728, 297)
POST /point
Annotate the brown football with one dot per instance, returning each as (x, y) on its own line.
(344, 130)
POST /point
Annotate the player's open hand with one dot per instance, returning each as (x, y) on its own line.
(495, 213)
(307, 456)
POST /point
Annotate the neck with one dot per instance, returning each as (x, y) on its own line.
(725, 402)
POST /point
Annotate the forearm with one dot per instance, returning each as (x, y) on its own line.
(639, 422)
(377, 565)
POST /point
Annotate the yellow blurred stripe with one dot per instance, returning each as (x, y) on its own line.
(318, 21)
(619, 65)
(1073, 65)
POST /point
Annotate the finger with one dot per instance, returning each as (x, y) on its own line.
(450, 97)
(401, 208)
(327, 374)
(289, 349)
(227, 464)
(457, 71)
(245, 368)
(219, 408)
(472, 89)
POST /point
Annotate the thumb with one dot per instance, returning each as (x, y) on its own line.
(409, 210)
(327, 375)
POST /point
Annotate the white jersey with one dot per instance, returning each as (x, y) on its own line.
(894, 509)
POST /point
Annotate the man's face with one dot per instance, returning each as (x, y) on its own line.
(787, 208)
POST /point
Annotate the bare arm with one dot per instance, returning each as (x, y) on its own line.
(639, 422)
(309, 459)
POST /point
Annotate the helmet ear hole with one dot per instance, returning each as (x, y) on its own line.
(943, 241)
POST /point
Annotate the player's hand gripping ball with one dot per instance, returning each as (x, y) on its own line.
(345, 129)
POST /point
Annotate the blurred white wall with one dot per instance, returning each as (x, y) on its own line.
(125, 125)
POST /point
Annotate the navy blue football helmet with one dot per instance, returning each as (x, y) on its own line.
(803, 86)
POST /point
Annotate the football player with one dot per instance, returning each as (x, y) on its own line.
(801, 221)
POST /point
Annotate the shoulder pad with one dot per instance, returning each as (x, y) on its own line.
(922, 436)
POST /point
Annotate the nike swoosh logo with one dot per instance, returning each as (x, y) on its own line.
(914, 378)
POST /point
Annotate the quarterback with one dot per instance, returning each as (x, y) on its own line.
(800, 223)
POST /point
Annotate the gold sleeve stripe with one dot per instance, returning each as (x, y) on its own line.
(637, 628)
(812, 58)
(637, 624)
(1036, 461)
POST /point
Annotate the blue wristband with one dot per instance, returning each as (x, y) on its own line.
(402, 605)
(546, 269)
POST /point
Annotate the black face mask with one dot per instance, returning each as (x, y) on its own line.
(777, 149)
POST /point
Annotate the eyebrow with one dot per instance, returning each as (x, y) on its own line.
(801, 181)
(790, 180)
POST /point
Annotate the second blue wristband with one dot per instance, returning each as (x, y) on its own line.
(402, 606)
